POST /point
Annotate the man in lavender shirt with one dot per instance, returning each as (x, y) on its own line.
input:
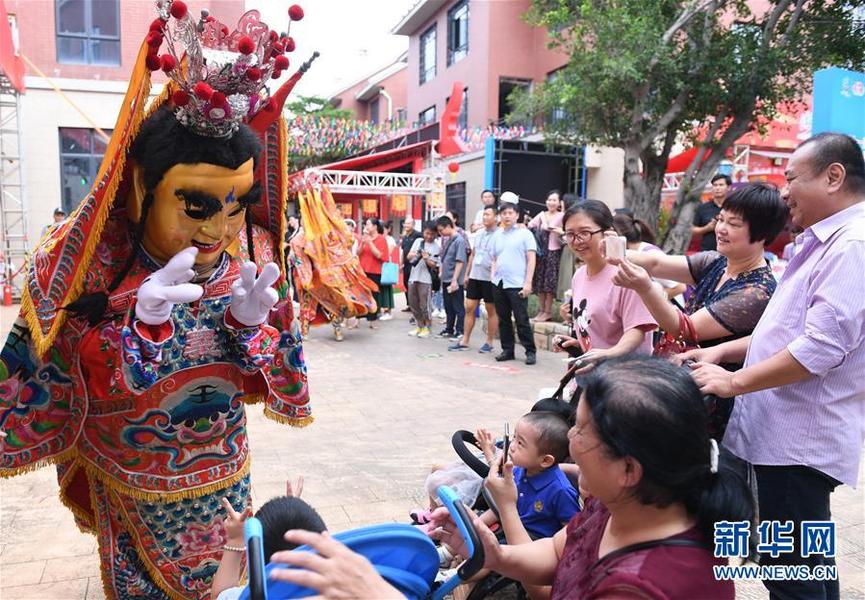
(799, 417)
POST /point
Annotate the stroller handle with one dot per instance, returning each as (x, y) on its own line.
(254, 535)
(458, 510)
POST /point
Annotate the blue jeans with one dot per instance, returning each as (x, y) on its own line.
(455, 309)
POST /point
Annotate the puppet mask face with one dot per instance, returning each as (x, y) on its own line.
(199, 205)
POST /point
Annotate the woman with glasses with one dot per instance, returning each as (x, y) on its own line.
(732, 285)
(654, 485)
(608, 320)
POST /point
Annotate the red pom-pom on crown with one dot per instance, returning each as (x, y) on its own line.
(154, 39)
(203, 90)
(253, 73)
(153, 63)
(178, 9)
(295, 12)
(180, 98)
(289, 44)
(245, 45)
(280, 63)
(167, 63)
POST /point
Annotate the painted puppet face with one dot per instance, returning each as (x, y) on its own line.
(199, 205)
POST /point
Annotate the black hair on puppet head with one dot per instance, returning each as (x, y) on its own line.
(162, 143)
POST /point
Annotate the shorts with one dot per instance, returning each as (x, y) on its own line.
(480, 290)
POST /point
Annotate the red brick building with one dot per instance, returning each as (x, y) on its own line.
(86, 48)
(380, 97)
(486, 45)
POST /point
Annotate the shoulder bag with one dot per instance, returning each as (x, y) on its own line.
(686, 340)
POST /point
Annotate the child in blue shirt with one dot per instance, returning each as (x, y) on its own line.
(541, 495)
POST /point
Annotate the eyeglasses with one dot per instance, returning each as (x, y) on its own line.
(580, 236)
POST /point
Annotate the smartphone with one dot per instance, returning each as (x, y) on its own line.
(616, 246)
(506, 443)
(573, 351)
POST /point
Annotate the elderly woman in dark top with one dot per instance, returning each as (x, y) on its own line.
(732, 285)
(655, 485)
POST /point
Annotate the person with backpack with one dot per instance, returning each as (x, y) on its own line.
(423, 258)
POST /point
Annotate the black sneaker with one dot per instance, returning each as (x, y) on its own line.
(505, 356)
(531, 358)
(444, 333)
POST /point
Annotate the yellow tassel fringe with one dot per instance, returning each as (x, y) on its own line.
(139, 95)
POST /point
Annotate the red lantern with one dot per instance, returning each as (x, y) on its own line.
(453, 167)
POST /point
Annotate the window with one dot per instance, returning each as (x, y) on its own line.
(506, 86)
(401, 115)
(88, 32)
(373, 111)
(558, 114)
(81, 151)
(428, 54)
(458, 32)
(455, 199)
(427, 116)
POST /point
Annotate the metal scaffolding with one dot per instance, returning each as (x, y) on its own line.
(14, 245)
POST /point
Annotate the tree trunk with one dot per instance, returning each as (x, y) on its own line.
(681, 218)
(637, 194)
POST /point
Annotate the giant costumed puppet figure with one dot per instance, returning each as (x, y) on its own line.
(156, 312)
(331, 285)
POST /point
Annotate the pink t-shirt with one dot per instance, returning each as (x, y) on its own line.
(543, 221)
(603, 311)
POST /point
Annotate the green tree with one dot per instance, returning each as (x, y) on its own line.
(317, 106)
(645, 74)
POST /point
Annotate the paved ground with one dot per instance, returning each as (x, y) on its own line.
(386, 406)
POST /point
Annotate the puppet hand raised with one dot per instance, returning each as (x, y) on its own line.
(167, 287)
(251, 298)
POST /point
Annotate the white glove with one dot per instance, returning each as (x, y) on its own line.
(251, 298)
(167, 287)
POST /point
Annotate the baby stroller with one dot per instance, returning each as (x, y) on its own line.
(402, 555)
(467, 448)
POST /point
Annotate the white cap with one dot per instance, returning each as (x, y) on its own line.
(509, 198)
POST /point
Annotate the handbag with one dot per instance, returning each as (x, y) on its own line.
(542, 239)
(436, 281)
(389, 273)
(717, 408)
(686, 340)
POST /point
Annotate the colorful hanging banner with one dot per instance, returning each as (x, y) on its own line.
(346, 209)
(369, 206)
(436, 201)
(398, 205)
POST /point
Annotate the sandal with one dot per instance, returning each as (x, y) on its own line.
(421, 516)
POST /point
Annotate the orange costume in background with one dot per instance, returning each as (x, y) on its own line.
(326, 275)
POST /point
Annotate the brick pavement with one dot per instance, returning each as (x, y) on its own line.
(386, 406)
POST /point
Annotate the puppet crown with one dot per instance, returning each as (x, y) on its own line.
(219, 75)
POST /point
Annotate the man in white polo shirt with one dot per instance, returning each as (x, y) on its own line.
(514, 252)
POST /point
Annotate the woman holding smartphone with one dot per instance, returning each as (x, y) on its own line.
(608, 320)
(732, 285)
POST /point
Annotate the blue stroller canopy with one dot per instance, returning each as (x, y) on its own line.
(402, 555)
